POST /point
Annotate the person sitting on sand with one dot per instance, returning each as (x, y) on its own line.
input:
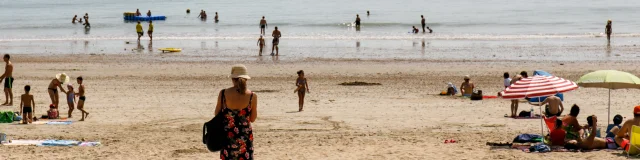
(240, 106)
(615, 127)
(74, 18)
(27, 105)
(591, 141)
(558, 134)
(302, 87)
(554, 108)
(571, 125)
(524, 74)
(466, 88)
(415, 30)
(53, 112)
(622, 137)
(71, 99)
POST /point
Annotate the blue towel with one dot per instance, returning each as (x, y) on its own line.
(60, 122)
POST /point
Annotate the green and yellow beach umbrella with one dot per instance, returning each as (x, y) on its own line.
(610, 79)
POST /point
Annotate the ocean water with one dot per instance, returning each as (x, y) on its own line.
(310, 26)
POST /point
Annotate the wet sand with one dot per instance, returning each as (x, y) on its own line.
(153, 106)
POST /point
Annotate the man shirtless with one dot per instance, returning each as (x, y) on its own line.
(80, 94)
(424, 24)
(74, 19)
(357, 21)
(8, 80)
(466, 88)
(276, 40)
(263, 25)
(593, 142)
(261, 44)
(622, 137)
(555, 107)
(608, 30)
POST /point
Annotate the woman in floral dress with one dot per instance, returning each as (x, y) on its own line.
(239, 106)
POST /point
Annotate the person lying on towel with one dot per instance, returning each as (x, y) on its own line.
(591, 141)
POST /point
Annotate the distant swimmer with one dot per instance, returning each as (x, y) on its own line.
(216, 17)
(415, 30)
(608, 30)
(367, 13)
(150, 31)
(201, 15)
(86, 23)
(263, 25)
(188, 11)
(261, 44)
(276, 40)
(80, 20)
(424, 23)
(430, 31)
(149, 13)
(138, 12)
(139, 30)
(75, 17)
(86, 16)
(357, 21)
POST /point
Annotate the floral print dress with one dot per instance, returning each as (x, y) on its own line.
(239, 133)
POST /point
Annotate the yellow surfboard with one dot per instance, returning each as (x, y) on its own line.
(170, 49)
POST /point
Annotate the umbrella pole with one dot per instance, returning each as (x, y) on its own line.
(609, 111)
(541, 127)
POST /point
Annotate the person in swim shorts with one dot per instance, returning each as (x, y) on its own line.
(424, 24)
(27, 105)
(8, 80)
(139, 30)
(357, 21)
(82, 98)
(276, 40)
(150, 31)
(261, 44)
(263, 25)
(608, 30)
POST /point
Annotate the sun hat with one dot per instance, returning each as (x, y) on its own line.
(62, 77)
(239, 71)
(467, 77)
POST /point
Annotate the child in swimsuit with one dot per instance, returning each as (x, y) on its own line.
(71, 98)
(27, 105)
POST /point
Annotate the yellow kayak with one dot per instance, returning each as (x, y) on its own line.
(170, 49)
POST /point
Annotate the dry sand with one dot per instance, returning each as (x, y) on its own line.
(149, 107)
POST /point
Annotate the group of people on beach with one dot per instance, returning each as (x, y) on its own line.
(276, 34)
(86, 20)
(140, 31)
(27, 101)
(140, 14)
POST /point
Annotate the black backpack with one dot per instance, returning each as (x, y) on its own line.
(213, 132)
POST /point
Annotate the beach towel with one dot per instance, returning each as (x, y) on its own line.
(527, 138)
(53, 122)
(60, 143)
(24, 142)
(89, 144)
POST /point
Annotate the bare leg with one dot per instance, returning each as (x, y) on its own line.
(6, 96)
(10, 96)
(25, 119)
(273, 47)
(513, 109)
(85, 114)
(31, 116)
(71, 107)
(277, 50)
(52, 96)
(300, 100)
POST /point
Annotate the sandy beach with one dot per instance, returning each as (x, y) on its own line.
(150, 106)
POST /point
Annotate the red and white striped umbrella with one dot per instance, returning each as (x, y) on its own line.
(538, 86)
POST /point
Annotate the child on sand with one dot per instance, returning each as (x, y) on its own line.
(303, 86)
(71, 98)
(80, 94)
(27, 105)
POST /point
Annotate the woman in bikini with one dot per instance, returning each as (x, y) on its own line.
(55, 85)
(302, 89)
(239, 106)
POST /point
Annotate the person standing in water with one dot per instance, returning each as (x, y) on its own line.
(302, 88)
(150, 31)
(216, 18)
(608, 30)
(75, 17)
(261, 44)
(367, 13)
(86, 16)
(357, 21)
(8, 80)
(263, 25)
(139, 30)
(276, 40)
(424, 24)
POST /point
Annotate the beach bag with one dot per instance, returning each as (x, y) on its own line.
(527, 138)
(542, 148)
(16, 116)
(6, 117)
(52, 114)
(524, 114)
(476, 96)
(213, 134)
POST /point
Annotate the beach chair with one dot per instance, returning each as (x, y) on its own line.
(551, 122)
(634, 142)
